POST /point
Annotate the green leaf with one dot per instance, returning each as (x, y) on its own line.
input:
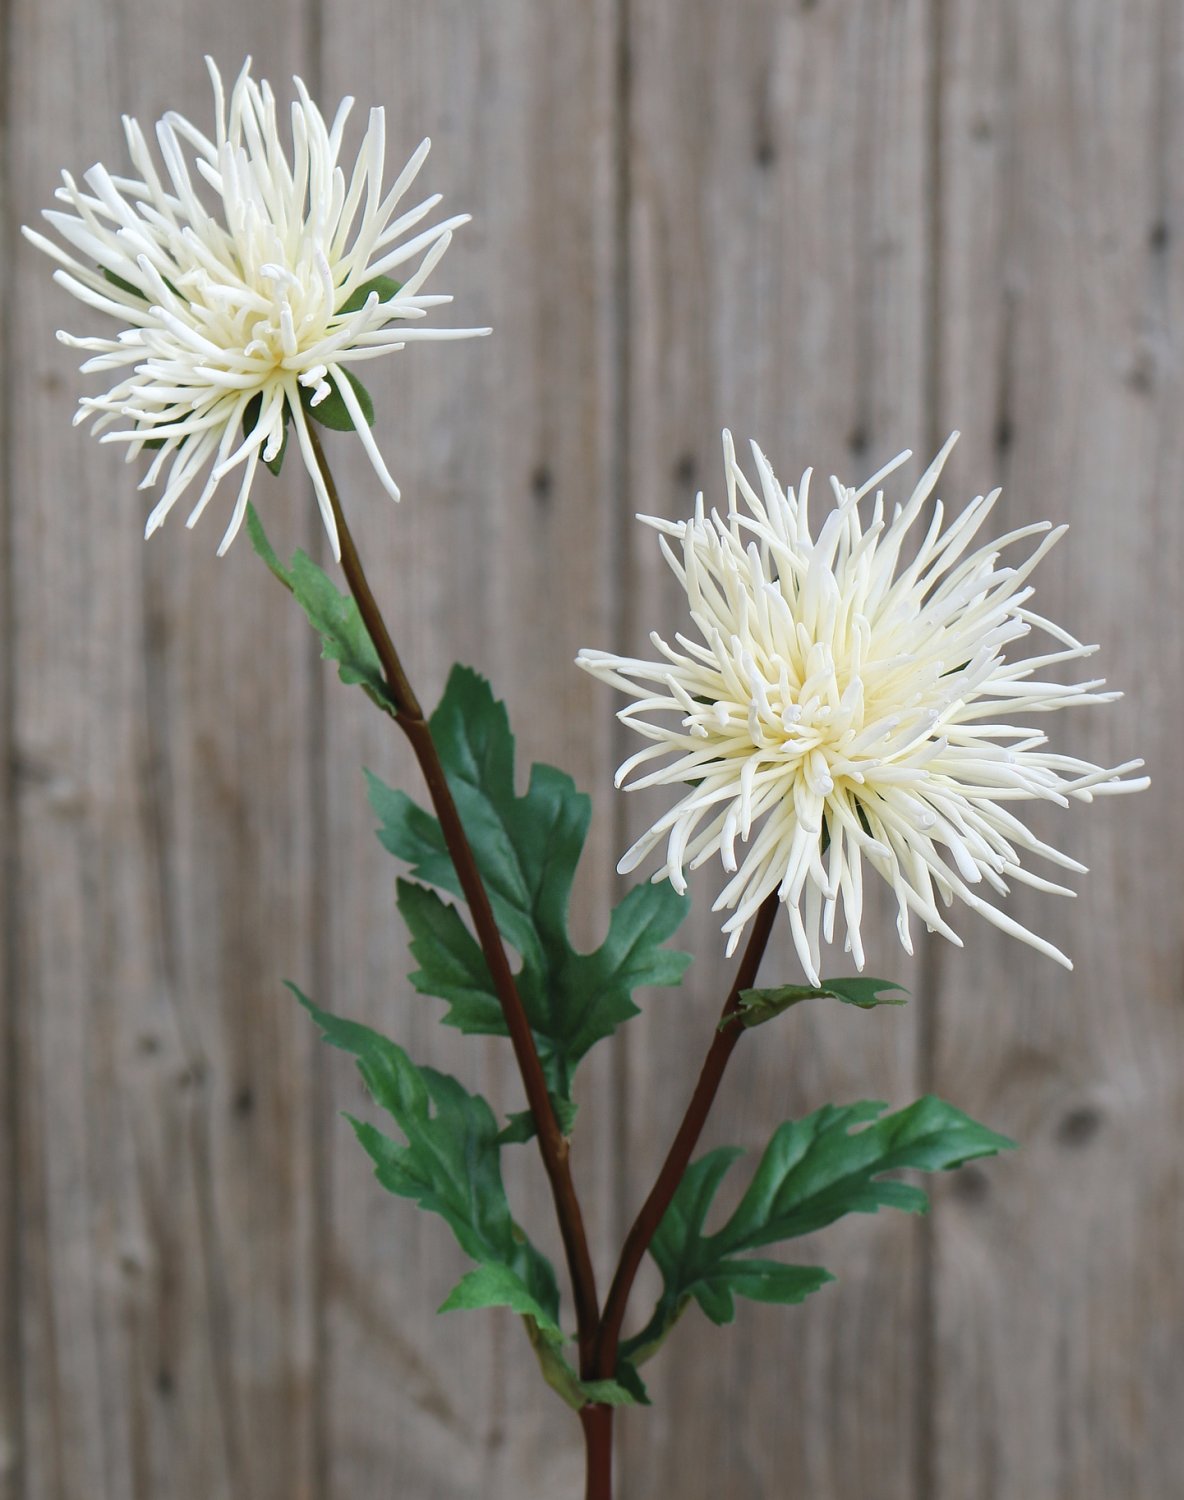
(759, 1006)
(450, 1165)
(559, 1375)
(812, 1172)
(527, 848)
(519, 1127)
(453, 968)
(333, 615)
(250, 420)
(331, 410)
(385, 286)
(630, 1380)
(496, 1285)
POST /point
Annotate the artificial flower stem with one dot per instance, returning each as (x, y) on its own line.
(597, 1422)
(727, 1033)
(553, 1145)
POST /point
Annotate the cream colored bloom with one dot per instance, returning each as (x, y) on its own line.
(243, 278)
(841, 706)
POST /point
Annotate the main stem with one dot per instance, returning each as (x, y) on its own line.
(727, 1034)
(597, 1422)
(553, 1145)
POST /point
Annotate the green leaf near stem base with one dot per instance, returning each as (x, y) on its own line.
(450, 1164)
(626, 1390)
(332, 614)
(812, 1172)
(527, 848)
(759, 1006)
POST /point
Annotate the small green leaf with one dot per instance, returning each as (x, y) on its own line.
(527, 848)
(559, 1375)
(332, 614)
(451, 1165)
(759, 1006)
(331, 410)
(250, 421)
(606, 1393)
(385, 286)
(630, 1380)
(495, 1285)
(759, 1280)
(519, 1127)
(813, 1172)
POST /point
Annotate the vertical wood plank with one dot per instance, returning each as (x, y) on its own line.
(1060, 1297)
(497, 556)
(162, 779)
(10, 1347)
(778, 242)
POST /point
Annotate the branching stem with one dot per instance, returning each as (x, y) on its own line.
(727, 1034)
(599, 1337)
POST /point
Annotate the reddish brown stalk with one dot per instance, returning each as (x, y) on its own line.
(597, 1422)
(727, 1034)
(553, 1144)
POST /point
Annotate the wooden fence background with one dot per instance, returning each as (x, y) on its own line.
(843, 227)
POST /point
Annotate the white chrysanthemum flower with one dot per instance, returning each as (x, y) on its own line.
(247, 314)
(845, 706)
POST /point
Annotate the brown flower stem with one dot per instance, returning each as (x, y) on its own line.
(553, 1145)
(723, 1041)
(597, 1422)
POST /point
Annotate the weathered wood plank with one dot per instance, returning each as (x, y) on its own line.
(777, 285)
(499, 555)
(163, 781)
(1060, 1298)
(10, 1361)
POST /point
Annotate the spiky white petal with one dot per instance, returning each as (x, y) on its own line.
(231, 274)
(842, 706)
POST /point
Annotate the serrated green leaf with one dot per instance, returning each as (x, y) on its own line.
(606, 1393)
(520, 1127)
(812, 1172)
(450, 1164)
(332, 614)
(759, 1006)
(629, 1378)
(759, 1280)
(251, 420)
(385, 286)
(453, 968)
(527, 848)
(331, 410)
(495, 1285)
